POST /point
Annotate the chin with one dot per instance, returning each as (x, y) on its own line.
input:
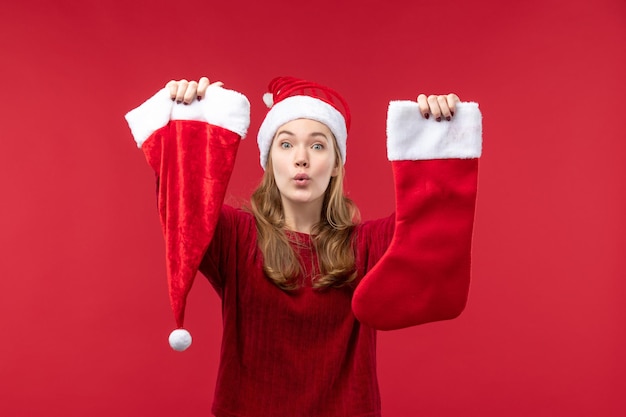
(303, 199)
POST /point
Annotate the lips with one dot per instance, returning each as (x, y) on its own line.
(302, 179)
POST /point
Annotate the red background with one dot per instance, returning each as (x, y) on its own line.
(84, 313)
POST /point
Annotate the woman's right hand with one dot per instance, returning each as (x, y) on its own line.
(183, 91)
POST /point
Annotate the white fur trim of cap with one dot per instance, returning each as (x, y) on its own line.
(219, 107)
(412, 137)
(301, 107)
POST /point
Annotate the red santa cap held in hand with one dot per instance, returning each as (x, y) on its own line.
(291, 98)
(192, 149)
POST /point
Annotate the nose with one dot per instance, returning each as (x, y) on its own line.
(301, 158)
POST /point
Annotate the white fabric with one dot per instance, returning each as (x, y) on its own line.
(412, 137)
(219, 107)
(180, 339)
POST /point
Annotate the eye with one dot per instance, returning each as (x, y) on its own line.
(285, 145)
(318, 146)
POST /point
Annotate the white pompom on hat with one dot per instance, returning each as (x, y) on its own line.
(291, 98)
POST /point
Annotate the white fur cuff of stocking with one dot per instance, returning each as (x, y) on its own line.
(410, 136)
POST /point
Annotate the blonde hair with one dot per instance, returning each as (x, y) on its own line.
(332, 236)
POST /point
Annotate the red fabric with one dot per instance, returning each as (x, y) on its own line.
(283, 87)
(290, 353)
(194, 162)
(425, 274)
(304, 353)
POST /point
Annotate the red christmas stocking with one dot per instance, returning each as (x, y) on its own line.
(192, 149)
(424, 275)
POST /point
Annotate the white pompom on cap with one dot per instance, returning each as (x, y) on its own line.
(180, 339)
(268, 99)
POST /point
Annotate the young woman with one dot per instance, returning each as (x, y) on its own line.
(304, 283)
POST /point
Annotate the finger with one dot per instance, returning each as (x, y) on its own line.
(180, 91)
(172, 86)
(452, 99)
(422, 101)
(190, 93)
(443, 106)
(203, 83)
(434, 107)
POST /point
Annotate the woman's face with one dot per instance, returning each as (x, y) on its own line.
(303, 161)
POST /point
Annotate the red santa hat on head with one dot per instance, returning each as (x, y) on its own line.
(291, 98)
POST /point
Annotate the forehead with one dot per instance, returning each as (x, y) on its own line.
(305, 127)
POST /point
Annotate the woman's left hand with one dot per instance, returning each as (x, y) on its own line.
(440, 106)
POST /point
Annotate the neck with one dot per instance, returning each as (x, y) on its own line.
(302, 217)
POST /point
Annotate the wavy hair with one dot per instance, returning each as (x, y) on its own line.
(332, 236)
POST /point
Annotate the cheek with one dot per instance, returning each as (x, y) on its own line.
(276, 165)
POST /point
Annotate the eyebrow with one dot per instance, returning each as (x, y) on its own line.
(313, 134)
